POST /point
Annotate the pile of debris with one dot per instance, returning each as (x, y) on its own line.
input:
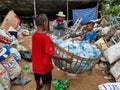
(108, 41)
(10, 70)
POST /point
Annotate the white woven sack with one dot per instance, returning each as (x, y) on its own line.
(109, 86)
(105, 30)
(113, 53)
(1, 87)
(15, 54)
(115, 71)
(4, 79)
(12, 67)
(2, 32)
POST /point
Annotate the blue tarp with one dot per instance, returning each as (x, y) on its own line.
(85, 14)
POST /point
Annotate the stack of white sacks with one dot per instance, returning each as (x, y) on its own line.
(112, 55)
(10, 69)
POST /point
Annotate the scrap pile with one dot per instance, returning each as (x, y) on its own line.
(81, 52)
(10, 70)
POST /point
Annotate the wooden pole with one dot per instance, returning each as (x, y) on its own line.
(35, 15)
(67, 11)
(97, 9)
(35, 8)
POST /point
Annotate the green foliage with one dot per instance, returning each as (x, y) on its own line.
(114, 8)
(115, 2)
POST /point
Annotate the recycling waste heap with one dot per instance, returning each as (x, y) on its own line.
(10, 70)
(84, 55)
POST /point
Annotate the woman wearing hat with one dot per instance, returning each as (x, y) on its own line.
(59, 25)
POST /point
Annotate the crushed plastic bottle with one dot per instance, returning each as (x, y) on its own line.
(61, 84)
(27, 67)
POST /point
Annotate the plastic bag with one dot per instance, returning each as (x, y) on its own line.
(2, 32)
(4, 79)
(105, 30)
(14, 40)
(12, 67)
(26, 55)
(61, 84)
(12, 31)
(20, 80)
(21, 48)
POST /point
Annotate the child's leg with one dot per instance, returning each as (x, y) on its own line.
(47, 78)
(48, 86)
(38, 84)
(37, 80)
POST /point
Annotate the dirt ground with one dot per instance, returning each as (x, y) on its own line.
(79, 82)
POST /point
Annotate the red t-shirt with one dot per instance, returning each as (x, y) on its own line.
(42, 48)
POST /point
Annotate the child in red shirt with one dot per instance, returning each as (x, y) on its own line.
(42, 52)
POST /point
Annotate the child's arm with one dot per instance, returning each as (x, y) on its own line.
(61, 58)
(84, 28)
(94, 37)
(76, 38)
(93, 41)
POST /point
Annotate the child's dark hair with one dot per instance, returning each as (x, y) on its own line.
(91, 23)
(40, 19)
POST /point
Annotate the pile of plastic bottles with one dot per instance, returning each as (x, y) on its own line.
(79, 48)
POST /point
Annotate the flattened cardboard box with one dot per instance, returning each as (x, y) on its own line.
(11, 19)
